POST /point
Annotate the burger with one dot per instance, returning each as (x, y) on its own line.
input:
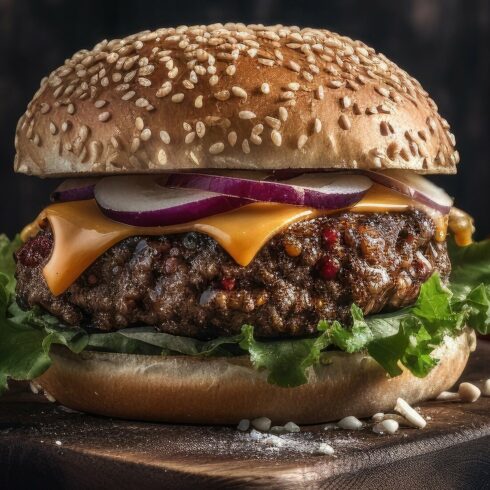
(245, 230)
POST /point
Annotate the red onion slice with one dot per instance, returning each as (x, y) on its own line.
(143, 201)
(414, 186)
(74, 190)
(319, 190)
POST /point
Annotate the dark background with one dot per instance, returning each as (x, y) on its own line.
(443, 43)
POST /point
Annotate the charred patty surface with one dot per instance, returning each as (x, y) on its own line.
(188, 285)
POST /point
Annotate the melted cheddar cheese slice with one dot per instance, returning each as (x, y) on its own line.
(82, 232)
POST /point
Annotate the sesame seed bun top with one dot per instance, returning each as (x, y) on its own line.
(230, 96)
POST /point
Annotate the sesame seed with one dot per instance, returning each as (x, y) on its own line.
(129, 76)
(232, 138)
(245, 146)
(307, 76)
(317, 126)
(177, 98)
(255, 139)
(239, 92)
(288, 95)
(100, 103)
(141, 102)
(213, 80)
(186, 126)
(135, 144)
(320, 93)
(144, 82)
(393, 150)
(265, 88)
(165, 137)
(344, 122)
(335, 83)
(265, 62)
(115, 142)
(188, 84)
(216, 148)
(116, 77)
(276, 137)
(200, 129)
(222, 95)
(104, 116)
(283, 114)
(128, 95)
(145, 134)
(257, 129)
(200, 70)
(382, 91)
(164, 90)
(273, 122)
(230, 70)
(302, 141)
(112, 57)
(162, 156)
(146, 70)
(173, 72)
(83, 132)
(246, 115)
(345, 102)
(292, 65)
(293, 86)
(189, 137)
(383, 128)
(52, 128)
(139, 123)
(44, 108)
(198, 102)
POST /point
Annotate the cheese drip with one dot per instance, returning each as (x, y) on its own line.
(82, 233)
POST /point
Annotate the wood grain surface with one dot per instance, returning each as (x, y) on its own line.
(453, 451)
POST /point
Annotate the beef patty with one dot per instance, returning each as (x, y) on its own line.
(186, 284)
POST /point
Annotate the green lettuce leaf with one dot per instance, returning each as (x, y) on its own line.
(406, 337)
(470, 283)
(287, 361)
(7, 263)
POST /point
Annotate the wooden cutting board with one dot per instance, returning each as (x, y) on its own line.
(44, 446)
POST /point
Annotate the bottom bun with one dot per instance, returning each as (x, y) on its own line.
(225, 390)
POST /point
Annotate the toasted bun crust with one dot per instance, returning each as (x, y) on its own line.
(231, 96)
(224, 390)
